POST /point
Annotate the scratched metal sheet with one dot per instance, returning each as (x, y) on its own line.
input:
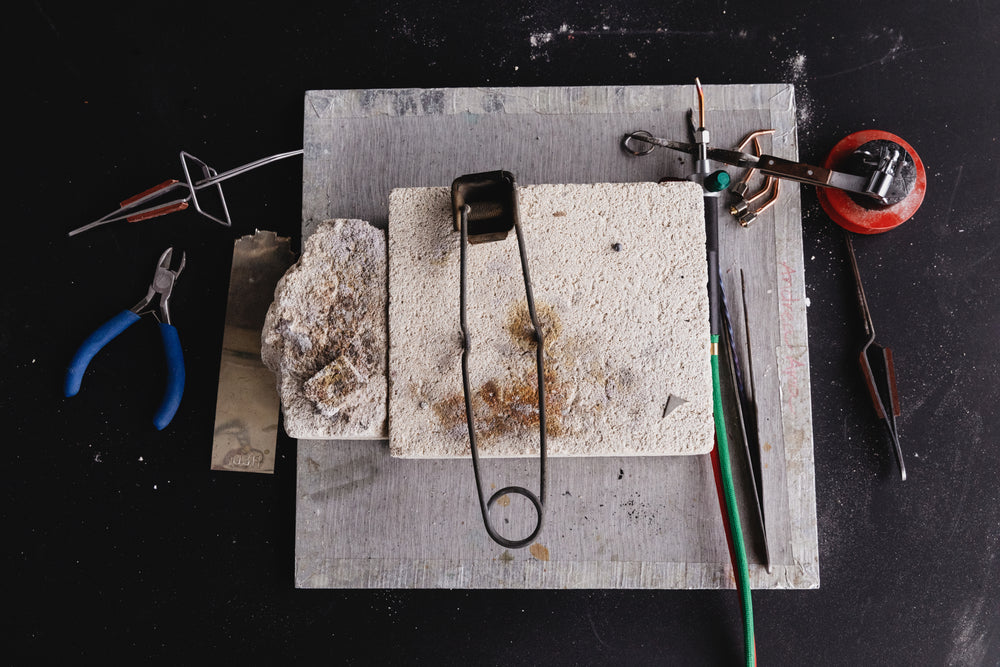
(365, 520)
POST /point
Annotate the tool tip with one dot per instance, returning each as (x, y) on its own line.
(701, 103)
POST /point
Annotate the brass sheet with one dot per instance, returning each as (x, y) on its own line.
(247, 407)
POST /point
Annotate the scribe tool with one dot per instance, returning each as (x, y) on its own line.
(746, 413)
(157, 302)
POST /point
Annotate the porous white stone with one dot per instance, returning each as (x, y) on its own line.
(619, 276)
(325, 334)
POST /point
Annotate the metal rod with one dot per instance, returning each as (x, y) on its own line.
(537, 501)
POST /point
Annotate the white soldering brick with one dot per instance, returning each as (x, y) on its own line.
(625, 329)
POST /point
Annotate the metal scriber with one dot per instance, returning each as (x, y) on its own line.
(156, 302)
(880, 376)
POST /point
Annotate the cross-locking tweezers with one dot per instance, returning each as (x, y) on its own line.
(150, 204)
(880, 377)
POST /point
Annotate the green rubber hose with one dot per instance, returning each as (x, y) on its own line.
(729, 493)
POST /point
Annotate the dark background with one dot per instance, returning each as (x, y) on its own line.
(120, 543)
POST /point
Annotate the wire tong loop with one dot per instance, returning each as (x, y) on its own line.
(500, 216)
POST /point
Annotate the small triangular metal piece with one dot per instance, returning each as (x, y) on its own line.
(673, 402)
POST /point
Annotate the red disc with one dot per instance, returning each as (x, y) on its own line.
(856, 218)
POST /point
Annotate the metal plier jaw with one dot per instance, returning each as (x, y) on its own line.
(158, 295)
(157, 302)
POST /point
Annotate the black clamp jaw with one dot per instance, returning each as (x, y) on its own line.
(489, 202)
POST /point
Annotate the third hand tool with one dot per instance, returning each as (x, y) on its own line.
(859, 215)
(157, 302)
(871, 182)
(876, 185)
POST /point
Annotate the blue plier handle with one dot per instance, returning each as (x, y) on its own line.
(157, 302)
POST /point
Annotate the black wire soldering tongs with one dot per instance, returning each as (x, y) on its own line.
(488, 202)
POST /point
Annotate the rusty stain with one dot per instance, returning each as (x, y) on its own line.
(503, 501)
(505, 406)
(511, 408)
(539, 551)
(511, 405)
(515, 407)
(336, 380)
(558, 214)
(767, 447)
(523, 333)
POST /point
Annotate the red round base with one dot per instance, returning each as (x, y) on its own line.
(849, 214)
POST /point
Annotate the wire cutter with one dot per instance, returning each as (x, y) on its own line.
(157, 302)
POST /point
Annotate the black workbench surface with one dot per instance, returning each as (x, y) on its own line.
(121, 543)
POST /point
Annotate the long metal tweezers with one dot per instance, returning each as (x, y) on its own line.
(144, 206)
(880, 377)
(746, 413)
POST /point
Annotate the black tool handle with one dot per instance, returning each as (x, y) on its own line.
(712, 246)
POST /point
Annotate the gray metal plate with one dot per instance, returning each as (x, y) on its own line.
(364, 519)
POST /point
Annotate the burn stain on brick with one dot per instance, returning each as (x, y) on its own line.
(523, 333)
(507, 408)
(510, 405)
(328, 387)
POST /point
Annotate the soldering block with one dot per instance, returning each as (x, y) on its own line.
(325, 334)
(619, 276)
